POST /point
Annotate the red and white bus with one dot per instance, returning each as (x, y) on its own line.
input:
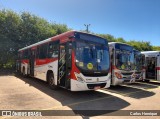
(122, 63)
(152, 65)
(73, 60)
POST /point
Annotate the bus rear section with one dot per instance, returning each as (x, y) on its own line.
(152, 65)
(73, 60)
(122, 63)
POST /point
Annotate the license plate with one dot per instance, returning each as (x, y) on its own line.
(97, 87)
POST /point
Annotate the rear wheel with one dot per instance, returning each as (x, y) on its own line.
(51, 81)
(23, 72)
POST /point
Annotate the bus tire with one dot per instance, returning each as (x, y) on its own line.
(51, 81)
(147, 81)
(23, 72)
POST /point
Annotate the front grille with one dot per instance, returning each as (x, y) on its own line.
(92, 86)
(128, 73)
(126, 80)
(92, 74)
(138, 72)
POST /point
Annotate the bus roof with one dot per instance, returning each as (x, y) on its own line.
(117, 43)
(46, 40)
(69, 33)
(113, 43)
(151, 53)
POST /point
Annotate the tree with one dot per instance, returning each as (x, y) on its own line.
(109, 37)
(20, 30)
(120, 40)
(141, 46)
(157, 48)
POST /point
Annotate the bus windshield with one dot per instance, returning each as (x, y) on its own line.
(92, 56)
(138, 61)
(124, 57)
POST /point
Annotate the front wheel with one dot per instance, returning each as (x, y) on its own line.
(51, 81)
(147, 81)
(23, 73)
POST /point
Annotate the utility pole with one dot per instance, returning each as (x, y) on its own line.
(87, 25)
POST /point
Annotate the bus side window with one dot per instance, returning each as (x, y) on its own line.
(53, 50)
(19, 55)
(37, 52)
(43, 51)
(25, 54)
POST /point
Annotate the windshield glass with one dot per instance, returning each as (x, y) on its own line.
(124, 57)
(138, 61)
(92, 56)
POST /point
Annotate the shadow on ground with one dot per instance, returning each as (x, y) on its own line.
(154, 83)
(133, 91)
(86, 103)
(142, 85)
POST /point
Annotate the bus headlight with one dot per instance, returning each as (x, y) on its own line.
(134, 75)
(79, 78)
(118, 75)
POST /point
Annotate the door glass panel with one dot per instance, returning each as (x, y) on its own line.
(151, 72)
(62, 66)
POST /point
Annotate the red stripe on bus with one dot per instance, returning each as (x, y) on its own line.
(144, 67)
(25, 61)
(114, 67)
(74, 67)
(34, 47)
(45, 61)
(158, 68)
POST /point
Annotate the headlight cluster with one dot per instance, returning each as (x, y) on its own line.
(79, 78)
(118, 75)
(134, 75)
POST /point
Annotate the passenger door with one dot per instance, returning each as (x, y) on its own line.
(31, 61)
(64, 65)
(151, 68)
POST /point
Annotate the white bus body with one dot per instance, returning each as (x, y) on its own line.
(152, 65)
(122, 61)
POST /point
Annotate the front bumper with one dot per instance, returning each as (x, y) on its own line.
(83, 86)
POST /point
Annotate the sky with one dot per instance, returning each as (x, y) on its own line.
(130, 19)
